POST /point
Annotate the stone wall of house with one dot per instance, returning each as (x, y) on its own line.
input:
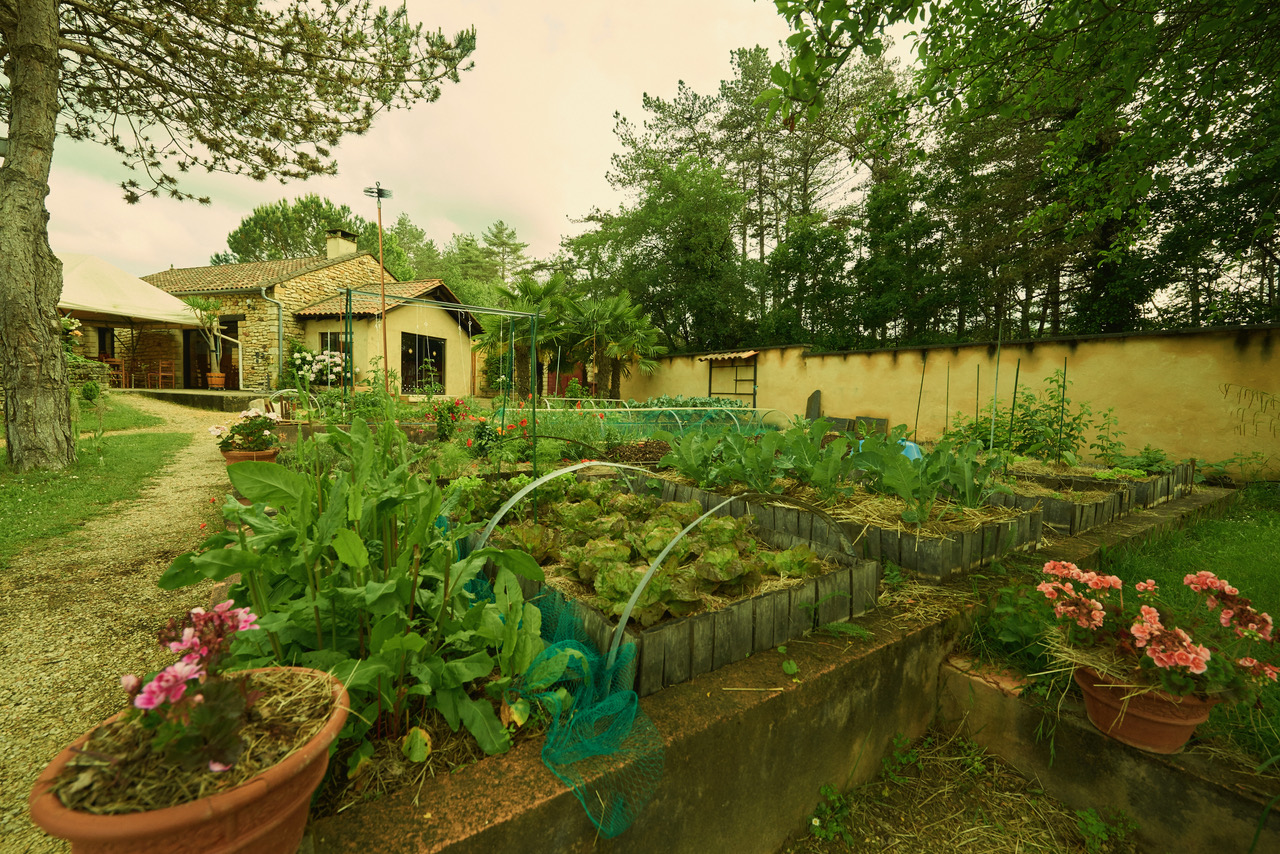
(260, 346)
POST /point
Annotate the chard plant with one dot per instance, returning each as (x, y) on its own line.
(354, 575)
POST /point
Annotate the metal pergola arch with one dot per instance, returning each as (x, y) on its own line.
(456, 308)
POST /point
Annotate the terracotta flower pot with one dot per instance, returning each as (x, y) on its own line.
(1153, 721)
(265, 815)
(267, 456)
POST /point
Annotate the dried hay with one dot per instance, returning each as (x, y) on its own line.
(918, 604)
(952, 796)
(116, 771)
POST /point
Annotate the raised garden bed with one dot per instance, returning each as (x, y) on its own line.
(1144, 492)
(731, 618)
(931, 557)
(1071, 512)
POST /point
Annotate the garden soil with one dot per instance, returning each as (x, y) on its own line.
(78, 612)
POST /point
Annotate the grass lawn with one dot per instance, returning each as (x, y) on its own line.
(40, 505)
(117, 414)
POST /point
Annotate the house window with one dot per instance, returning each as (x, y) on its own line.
(106, 342)
(421, 364)
(331, 342)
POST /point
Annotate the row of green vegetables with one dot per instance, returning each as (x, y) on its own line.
(963, 474)
(605, 540)
(353, 575)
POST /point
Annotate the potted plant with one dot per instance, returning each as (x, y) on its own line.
(1151, 671)
(250, 437)
(207, 311)
(201, 760)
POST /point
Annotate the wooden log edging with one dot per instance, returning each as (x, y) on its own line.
(1071, 517)
(929, 557)
(675, 651)
(1149, 492)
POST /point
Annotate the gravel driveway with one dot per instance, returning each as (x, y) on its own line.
(77, 612)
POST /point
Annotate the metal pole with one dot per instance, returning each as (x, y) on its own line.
(378, 193)
(1013, 404)
(995, 386)
(924, 363)
(1062, 406)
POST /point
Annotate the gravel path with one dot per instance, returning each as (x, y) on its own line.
(78, 612)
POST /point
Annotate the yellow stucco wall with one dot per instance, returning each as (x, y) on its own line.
(1203, 394)
(419, 320)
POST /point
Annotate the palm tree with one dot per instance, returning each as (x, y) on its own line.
(515, 334)
(612, 333)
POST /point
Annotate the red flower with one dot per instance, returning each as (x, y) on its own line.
(468, 443)
(204, 525)
(524, 422)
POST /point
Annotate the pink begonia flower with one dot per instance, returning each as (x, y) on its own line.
(1148, 586)
(1225, 617)
(129, 682)
(218, 767)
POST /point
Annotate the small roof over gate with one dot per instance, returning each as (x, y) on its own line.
(718, 357)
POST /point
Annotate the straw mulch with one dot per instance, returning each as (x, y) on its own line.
(116, 771)
(944, 794)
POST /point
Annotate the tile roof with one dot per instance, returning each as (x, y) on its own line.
(368, 301)
(239, 277)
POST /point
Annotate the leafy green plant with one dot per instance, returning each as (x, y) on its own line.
(916, 482)
(1098, 834)
(1044, 425)
(903, 756)
(831, 818)
(354, 576)
(693, 454)
(971, 475)
(755, 461)
(1107, 445)
(605, 540)
(1150, 460)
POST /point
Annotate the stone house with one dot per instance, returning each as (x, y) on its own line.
(428, 347)
(264, 306)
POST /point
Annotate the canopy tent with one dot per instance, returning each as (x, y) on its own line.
(92, 290)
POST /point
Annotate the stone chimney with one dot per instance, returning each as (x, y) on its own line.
(338, 243)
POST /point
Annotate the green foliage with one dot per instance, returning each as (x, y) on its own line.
(1134, 157)
(1044, 425)
(1149, 460)
(963, 473)
(606, 540)
(718, 455)
(831, 818)
(89, 391)
(354, 576)
(904, 755)
(1101, 835)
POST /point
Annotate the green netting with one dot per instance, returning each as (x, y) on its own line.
(600, 742)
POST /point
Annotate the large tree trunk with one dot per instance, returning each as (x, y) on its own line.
(37, 411)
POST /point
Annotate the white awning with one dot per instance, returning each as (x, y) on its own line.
(92, 289)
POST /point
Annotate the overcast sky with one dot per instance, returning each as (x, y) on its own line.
(525, 137)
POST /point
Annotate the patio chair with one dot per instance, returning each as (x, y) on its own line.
(161, 372)
(115, 372)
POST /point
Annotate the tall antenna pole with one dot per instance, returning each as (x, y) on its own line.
(378, 193)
